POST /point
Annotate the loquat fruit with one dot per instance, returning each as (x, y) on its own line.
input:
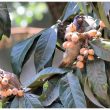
(92, 32)
(0, 86)
(20, 93)
(91, 52)
(90, 57)
(14, 91)
(9, 92)
(68, 36)
(85, 52)
(102, 25)
(72, 27)
(80, 58)
(3, 93)
(70, 45)
(75, 38)
(80, 64)
(82, 50)
(0, 78)
(65, 44)
(4, 81)
(98, 34)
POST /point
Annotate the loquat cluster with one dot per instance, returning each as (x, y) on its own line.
(7, 89)
(85, 54)
(73, 37)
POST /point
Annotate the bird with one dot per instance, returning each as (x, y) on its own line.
(78, 21)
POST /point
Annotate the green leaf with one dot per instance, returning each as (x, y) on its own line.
(50, 94)
(98, 9)
(89, 9)
(106, 34)
(83, 7)
(16, 102)
(5, 22)
(71, 94)
(0, 103)
(78, 73)
(56, 105)
(90, 95)
(31, 101)
(101, 48)
(21, 52)
(107, 67)
(45, 47)
(28, 101)
(97, 77)
(44, 74)
(95, 9)
(50, 62)
(102, 14)
(71, 9)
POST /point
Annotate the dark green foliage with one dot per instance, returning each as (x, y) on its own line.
(5, 23)
(28, 101)
(45, 47)
(70, 92)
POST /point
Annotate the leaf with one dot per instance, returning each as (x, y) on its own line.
(15, 103)
(21, 52)
(31, 101)
(99, 10)
(70, 92)
(90, 95)
(0, 104)
(107, 67)
(28, 101)
(45, 47)
(106, 34)
(78, 73)
(101, 48)
(98, 80)
(71, 9)
(56, 105)
(45, 73)
(50, 94)
(49, 63)
(95, 10)
(102, 14)
(5, 22)
(83, 7)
